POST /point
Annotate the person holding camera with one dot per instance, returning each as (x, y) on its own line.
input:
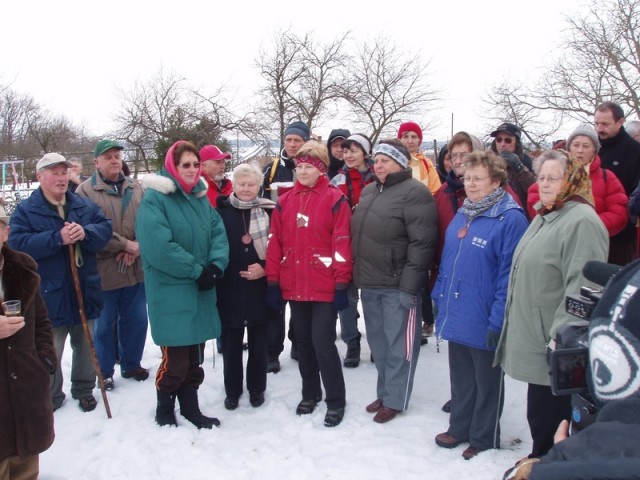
(546, 267)
(609, 447)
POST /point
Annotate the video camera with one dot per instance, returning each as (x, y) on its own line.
(569, 357)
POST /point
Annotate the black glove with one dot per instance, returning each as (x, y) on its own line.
(340, 299)
(493, 338)
(513, 161)
(274, 297)
(208, 278)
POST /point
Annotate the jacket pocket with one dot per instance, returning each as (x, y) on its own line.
(322, 280)
(53, 295)
(287, 271)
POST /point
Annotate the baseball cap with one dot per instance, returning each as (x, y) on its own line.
(211, 152)
(509, 128)
(51, 159)
(104, 145)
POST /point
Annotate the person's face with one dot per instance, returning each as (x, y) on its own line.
(307, 174)
(384, 165)
(636, 137)
(246, 188)
(505, 142)
(478, 183)
(583, 149)
(336, 148)
(353, 157)
(411, 141)
(54, 181)
(214, 169)
(292, 144)
(550, 181)
(109, 164)
(188, 167)
(76, 168)
(457, 155)
(605, 124)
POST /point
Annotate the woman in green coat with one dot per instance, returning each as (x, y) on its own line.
(184, 251)
(546, 267)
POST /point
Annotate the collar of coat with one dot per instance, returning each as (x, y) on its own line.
(396, 177)
(163, 183)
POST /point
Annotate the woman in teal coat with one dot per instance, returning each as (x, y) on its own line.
(184, 251)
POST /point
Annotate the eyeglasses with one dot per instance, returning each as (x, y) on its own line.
(507, 140)
(189, 165)
(473, 179)
(460, 155)
(549, 179)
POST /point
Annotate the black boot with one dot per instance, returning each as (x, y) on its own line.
(352, 359)
(189, 408)
(165, 414)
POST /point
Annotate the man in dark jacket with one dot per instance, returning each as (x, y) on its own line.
(27, 357)
(334, 145)
(507, 138)
(619, 153)
(55, 226)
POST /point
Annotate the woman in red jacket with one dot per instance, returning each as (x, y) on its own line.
(309, 264)
(608, 193)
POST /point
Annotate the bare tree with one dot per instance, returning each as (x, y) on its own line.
(601, 61)
(385, 86)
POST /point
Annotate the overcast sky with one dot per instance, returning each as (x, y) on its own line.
(73, 56)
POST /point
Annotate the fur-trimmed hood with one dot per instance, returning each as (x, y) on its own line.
(164, 183)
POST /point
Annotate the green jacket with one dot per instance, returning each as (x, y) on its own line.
(179, 234)
(547, 266)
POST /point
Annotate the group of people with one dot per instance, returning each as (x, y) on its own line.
(486, 243)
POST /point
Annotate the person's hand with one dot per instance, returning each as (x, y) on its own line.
(72, 233)
(253, 272)
(513, 161)
(274, 297)
(126, 258)
(208, 278)
(10, 325)
(493, 338)
(408, 300)
(340, 299)
(562, 433)
(132, 248)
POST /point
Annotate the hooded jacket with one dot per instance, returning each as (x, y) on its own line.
(26, 360)
(179, 235)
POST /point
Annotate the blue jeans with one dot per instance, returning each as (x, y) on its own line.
(349, 320)
(128, 306)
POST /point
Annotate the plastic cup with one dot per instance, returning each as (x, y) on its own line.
(12, 308)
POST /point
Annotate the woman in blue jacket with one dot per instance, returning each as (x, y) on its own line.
(470, 295)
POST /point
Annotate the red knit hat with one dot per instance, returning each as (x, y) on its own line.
(410, 127)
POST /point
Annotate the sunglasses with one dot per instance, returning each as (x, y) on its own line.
(507, 140)
(189, 165)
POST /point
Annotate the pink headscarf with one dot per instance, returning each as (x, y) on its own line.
(170, 167)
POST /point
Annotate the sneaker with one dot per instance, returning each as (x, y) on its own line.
(108, 384)
(352, 359)
(445, 440)
(333, 417)
(137, 373)
(273, 365)
(256, 400)
(231, 403)
(88, 403)
(305, 407)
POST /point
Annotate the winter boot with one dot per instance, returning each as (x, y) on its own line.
(165, 414)
(352, 359)
(189, 408)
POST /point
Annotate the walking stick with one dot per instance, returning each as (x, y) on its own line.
(85, 327)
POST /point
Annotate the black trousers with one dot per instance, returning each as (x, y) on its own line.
(276, 335)
(314, 326)
(545, 411)
(256, 361)
(180, 367)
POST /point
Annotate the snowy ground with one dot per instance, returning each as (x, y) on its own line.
(271, 441)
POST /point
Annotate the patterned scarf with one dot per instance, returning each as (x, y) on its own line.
(473, 209)
(258, 221)
(576, 186)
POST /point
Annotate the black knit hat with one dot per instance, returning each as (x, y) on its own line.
(509, 128)
(614, 338)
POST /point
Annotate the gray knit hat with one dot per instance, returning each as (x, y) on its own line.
(586, 130)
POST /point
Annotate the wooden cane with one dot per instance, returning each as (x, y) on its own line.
(85, 327)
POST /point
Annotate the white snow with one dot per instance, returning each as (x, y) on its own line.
(272, 441)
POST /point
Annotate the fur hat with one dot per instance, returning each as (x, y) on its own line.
(614, 338)
(585, 130)
(300, 129)
(410, 127)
